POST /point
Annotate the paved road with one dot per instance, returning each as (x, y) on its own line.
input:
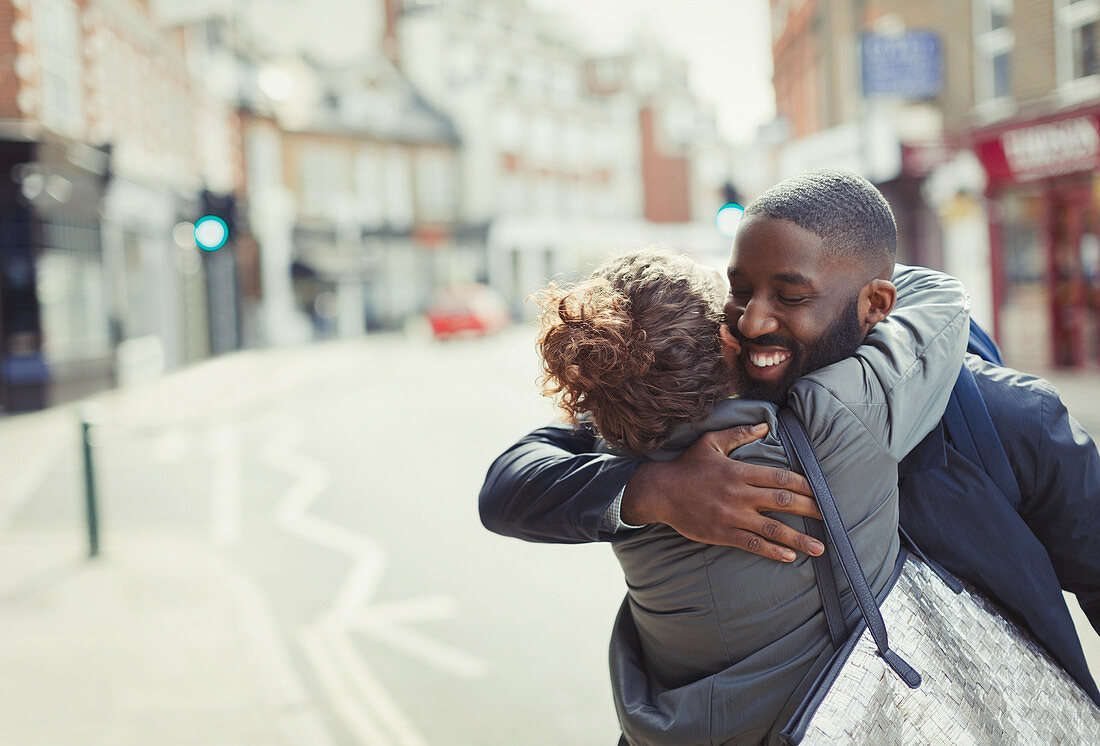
(335, 488)
(342, 479)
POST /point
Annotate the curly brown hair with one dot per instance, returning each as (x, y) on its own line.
(635, 346)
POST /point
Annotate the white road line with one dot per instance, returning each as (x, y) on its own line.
(361, 583)
(358, 696)
(346, 704)
(371, 690)
(225, 488)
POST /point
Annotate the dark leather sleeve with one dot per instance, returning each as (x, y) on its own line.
(1058, 469)
(549, 487)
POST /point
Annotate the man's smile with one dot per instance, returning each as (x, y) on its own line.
(766, 363)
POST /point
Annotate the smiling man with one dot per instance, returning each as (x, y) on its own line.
(793, 305)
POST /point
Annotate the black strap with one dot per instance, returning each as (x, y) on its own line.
(823, 569)
(802, 453)
(826, 584)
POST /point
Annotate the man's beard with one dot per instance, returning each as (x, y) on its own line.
(839, 341)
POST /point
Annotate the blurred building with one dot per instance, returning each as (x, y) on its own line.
(354, 192)
(978, 121)
(564, 157)
(102, 134)
(1035, 127)
(463, 142)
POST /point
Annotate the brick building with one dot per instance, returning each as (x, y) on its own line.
(99, 149)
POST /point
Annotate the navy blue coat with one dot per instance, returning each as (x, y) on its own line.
(550, 487)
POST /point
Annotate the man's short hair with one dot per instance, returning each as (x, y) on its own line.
(843, 209)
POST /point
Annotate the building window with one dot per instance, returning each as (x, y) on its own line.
(399, 205)
(370, 187)
(61, 77)
(1077, 23)
(436, 190)
(323, 180)
(73, 301)
(509, 129)
(993, 44)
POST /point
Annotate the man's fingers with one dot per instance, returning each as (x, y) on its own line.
(781, 533)
(767, 476)
(757, 544)
(785, 501)
(735, 437)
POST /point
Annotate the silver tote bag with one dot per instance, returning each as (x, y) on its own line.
(953, 671)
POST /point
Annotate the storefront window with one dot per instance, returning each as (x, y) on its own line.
(1024, 312)
(73, 304)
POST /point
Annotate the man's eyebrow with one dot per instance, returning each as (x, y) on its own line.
(793, 278)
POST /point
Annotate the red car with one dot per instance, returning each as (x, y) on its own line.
(470, 310)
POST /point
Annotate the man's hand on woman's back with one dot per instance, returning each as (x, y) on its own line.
(707, 497)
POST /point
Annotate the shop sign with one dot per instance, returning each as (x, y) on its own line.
(1043, 150)
(904, 65)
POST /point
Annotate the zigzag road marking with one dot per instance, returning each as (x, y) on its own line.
(328, 644)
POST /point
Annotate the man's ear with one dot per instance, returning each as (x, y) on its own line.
(881, 296)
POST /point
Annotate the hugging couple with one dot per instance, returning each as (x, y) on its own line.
(663, 369)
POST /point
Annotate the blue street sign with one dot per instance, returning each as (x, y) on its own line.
(908, 65)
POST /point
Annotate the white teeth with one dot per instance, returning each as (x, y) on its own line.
(766, 360)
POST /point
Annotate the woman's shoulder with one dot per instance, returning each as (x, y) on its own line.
(726, 414)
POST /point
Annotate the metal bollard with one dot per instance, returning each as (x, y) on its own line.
(91, 514)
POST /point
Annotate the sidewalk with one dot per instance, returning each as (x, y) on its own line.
(158, 641)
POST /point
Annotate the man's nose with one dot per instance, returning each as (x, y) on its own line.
(756, 320)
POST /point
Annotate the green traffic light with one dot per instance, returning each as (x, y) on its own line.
(728, 218)
(211, 233)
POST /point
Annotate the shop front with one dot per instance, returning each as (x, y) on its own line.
(1043, 188)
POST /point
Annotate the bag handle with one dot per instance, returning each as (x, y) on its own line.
(797, 443)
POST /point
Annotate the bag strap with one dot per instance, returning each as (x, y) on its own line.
(823, 569)
(823, 564)
(803, 454)
(826, 580)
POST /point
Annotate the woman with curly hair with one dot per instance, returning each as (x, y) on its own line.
(714, 644)
(636, 347)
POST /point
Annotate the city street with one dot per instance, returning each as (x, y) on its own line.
(291, 554)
